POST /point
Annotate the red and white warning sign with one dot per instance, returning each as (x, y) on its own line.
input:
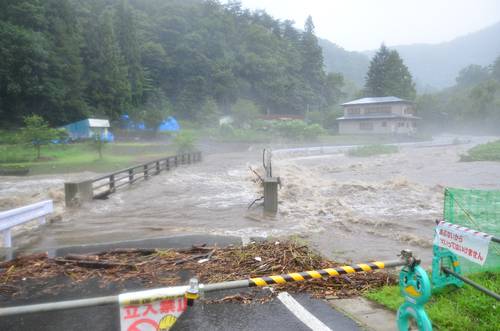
(471, 244)
(152, 310)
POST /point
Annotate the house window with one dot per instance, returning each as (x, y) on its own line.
(354, 111)
(366, 126)
(378, 110)
(384, 124)
(401, 124)
(410, 110)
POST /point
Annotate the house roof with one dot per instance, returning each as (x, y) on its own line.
(98, 123)
(377, 117)
(365, 101)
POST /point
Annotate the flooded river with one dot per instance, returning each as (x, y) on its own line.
(349, 208)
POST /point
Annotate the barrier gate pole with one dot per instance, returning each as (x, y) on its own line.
(251, 282)
(471, 283)
(301, 276)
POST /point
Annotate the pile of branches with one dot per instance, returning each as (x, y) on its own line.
(158, 268)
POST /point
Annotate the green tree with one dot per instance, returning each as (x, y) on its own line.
(126, 34)
(67, 59)
(63, 82)
(98, 144)
(472, 75)
(244, 112)
(312, 65)
(38, 133)
(185, 142)
(108, 89)
(483, 96)
(24, 58)
(155, 110)
(389, 76)
(495, 69)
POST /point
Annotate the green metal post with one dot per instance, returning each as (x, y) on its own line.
(444, 258)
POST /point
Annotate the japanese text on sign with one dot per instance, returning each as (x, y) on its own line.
(465, 242)
(155, 310)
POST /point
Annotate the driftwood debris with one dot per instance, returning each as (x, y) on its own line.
(159, 268)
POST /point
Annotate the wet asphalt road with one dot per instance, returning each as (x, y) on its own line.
(272, 315)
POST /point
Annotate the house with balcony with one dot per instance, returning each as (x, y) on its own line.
(381, 115)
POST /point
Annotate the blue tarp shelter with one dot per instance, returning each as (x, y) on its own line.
(89, 128)
(170, 124)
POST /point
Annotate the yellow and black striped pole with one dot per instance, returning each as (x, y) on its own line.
(251, 282)
(316, 274)
(301, 276)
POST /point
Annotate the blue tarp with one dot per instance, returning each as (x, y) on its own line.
(170, 124)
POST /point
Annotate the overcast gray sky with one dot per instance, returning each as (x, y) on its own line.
(365, 24)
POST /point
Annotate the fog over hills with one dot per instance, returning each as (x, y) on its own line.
(433, 66)
(353, 65)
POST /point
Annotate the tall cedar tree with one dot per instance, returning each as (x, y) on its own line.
(389, 76)
(312, 65)
(23, 58)
(126, 34)
(108, 88)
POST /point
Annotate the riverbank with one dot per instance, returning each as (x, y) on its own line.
(79, 157)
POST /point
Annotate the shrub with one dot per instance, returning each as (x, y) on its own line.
(185, 142)
(370, 150)
(9, 138)
(296, 130)
(244, 112)
(483, 152)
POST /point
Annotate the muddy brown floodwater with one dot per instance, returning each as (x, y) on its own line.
(348, 208)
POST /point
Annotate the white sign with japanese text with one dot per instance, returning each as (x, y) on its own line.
(155, 310)
(465, 242)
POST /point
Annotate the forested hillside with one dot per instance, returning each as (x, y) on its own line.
(433, 66)
(471, 105)
(436, 66)
(67, 59)
(352, 65)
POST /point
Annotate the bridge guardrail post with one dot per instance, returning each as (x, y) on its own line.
(146, 171)
(112, 183)
(130, 176)
(76, 193)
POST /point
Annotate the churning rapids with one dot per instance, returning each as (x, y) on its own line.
(348, 208)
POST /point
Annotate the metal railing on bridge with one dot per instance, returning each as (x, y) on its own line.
(102, 186)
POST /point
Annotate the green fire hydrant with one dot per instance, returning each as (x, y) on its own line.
(415, 287)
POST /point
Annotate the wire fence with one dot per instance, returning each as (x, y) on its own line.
(478, 210)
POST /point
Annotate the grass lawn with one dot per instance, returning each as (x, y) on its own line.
(483, 152)
(80, 157)
(454, 309)
(371, 150)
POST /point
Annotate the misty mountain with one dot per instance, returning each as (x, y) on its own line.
(433, 66)
(353, 65)
(438, 65)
